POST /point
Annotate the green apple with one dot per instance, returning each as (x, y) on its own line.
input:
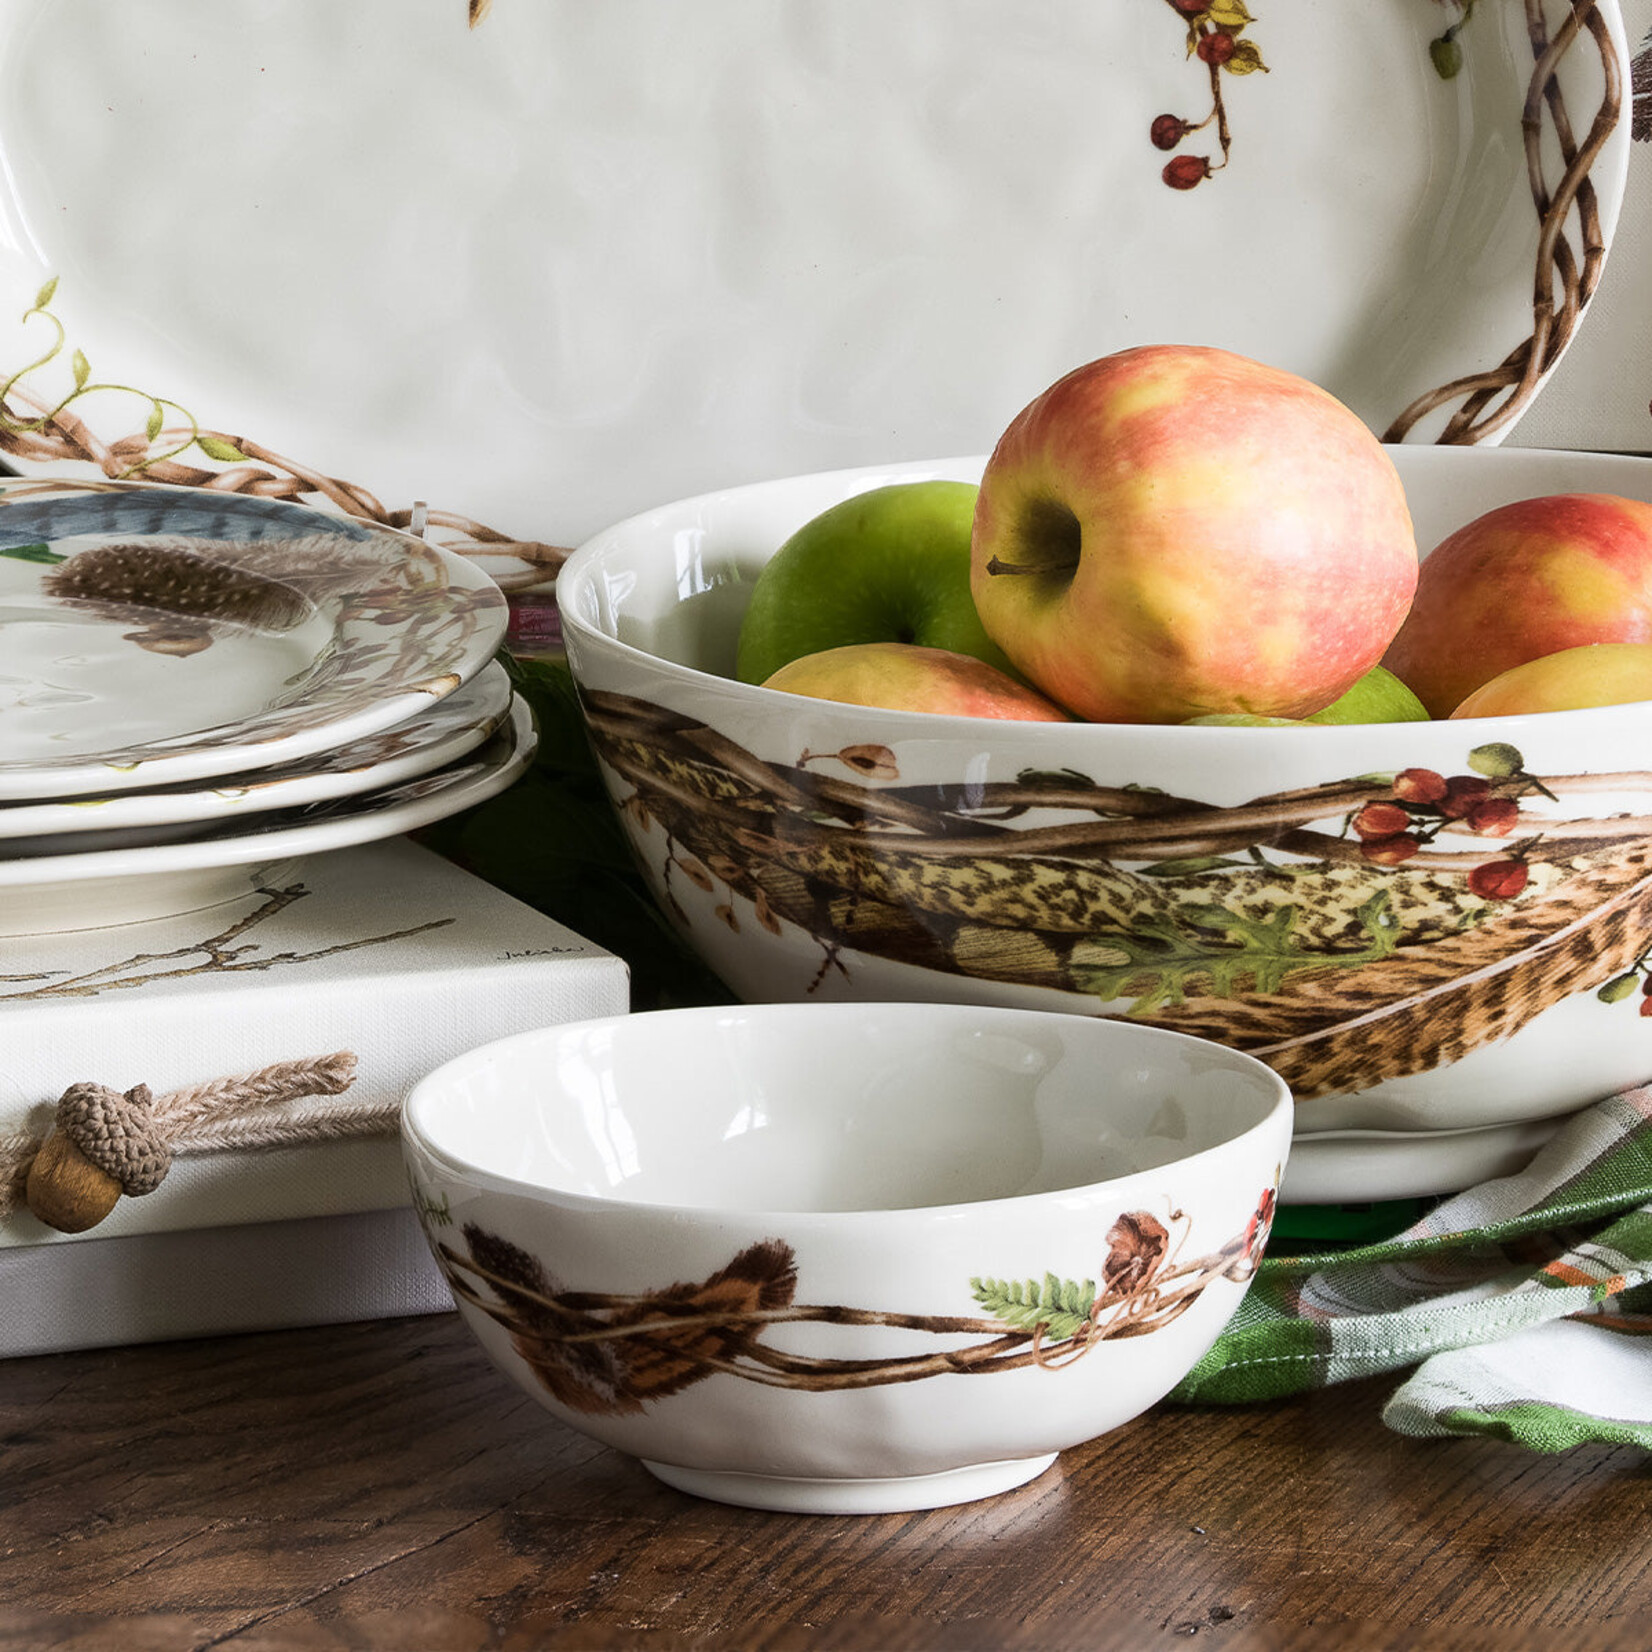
(1378, 697)
(889, 565)
(907, 677)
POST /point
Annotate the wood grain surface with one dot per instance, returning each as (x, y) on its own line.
(382, 1486)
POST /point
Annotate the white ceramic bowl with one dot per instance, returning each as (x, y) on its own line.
(1203, 879)
(847, 1258)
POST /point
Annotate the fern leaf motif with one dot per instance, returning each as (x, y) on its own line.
(1061, 1306)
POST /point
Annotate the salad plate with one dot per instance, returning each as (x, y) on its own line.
(432, 739)
(647, 251)
(160, 634)
(49, 893)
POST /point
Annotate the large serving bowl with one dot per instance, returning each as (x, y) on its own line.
(844, 1258)
(1199, 878)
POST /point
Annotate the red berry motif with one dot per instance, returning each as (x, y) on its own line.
(1390, 851)
(1464, 794)
(1257, 1228)
(1499, 880)
(1496, 817)
(1378, 820)
(1216, 47)
(1423, 803)
(1168, 131)
(1190, 8)
(1186, 171)
(1419, 786)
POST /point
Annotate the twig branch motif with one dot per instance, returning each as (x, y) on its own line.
(1492, 399)
(604, 1353)
(215, 955)
(50, 431)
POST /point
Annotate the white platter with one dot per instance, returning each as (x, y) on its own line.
(92, 891)
(430, 740)
(577, 259)
(156, 634)
(1364, 1166)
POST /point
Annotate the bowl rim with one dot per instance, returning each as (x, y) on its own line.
(587, 556)
(1275, 1120)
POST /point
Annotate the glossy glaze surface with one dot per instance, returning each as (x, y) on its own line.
(836, 1107)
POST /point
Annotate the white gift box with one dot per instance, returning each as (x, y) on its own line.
(388, 952)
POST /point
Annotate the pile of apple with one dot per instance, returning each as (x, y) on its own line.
(1177, 534)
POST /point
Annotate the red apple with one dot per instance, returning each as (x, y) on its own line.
(1175, 531)
(905, 677)
(1597, 674)
(1522, 581)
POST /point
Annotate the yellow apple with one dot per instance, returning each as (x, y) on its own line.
(1596, 674)
(907, 677)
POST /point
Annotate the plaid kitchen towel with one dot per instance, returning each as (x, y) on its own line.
(1525, 1304)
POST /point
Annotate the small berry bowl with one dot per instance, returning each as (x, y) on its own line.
(1424, 926)
(847, 1258)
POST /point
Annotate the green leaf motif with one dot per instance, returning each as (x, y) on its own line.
(33, 553)
(1618, 988)
(1496, 760)
(82, 369)
(1188, 866)
(1246, 59)
(157, 418)
(46, 294)
(1162, 959)
(1061, 1306)
(1055, 779)
(215, 447)
(1446, 56)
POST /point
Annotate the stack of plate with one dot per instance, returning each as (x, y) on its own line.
(198, 689)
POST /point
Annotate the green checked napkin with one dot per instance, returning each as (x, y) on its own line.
(1525, 1304)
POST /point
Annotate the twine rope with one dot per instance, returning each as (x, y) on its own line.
(135, 1136)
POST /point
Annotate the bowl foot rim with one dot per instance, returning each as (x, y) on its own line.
(802, 1494)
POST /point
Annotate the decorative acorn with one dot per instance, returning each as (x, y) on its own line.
(103, 1144)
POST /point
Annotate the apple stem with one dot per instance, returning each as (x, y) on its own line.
(1061, 565)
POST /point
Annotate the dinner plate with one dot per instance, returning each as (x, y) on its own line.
(552, 268)
(430, 740)
(155, 634)
(93, 890)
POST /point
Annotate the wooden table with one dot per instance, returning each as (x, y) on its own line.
(381, 1486)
